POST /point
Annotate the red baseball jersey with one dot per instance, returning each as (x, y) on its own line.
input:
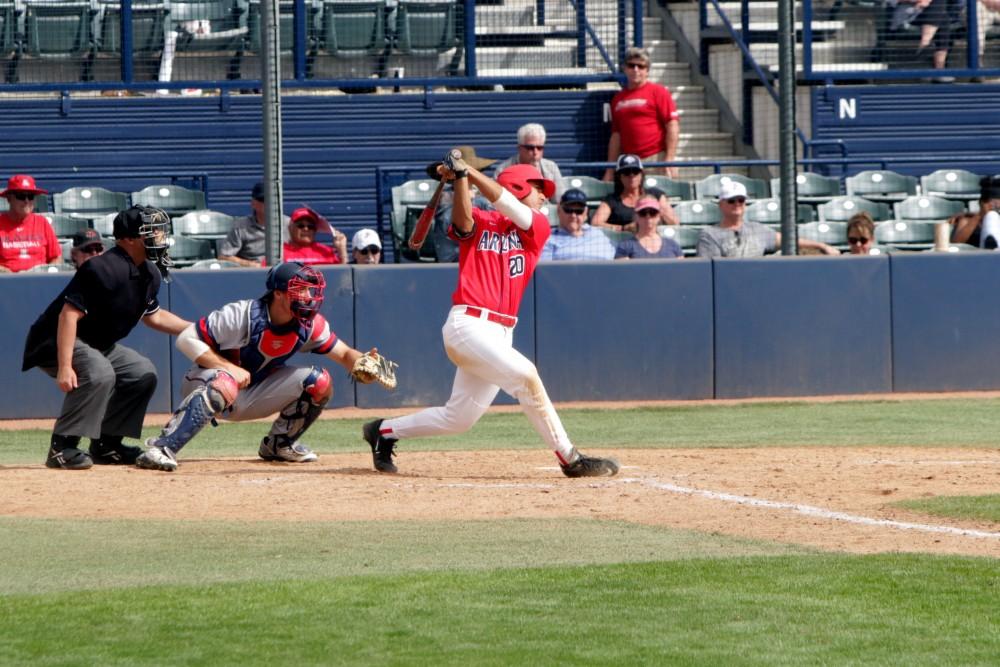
(640, 117)
(28, 244)
(496, 261)
(317, 253)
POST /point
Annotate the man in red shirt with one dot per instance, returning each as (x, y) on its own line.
(302, 245)
(26, 238)
(644, 118)
(498, 252)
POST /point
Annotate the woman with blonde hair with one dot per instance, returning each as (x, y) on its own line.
(618, 208)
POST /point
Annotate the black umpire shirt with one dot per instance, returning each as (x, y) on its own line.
(113, 293)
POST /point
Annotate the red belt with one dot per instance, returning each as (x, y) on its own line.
(505, 320)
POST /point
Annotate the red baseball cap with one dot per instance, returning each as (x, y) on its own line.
(22, 183)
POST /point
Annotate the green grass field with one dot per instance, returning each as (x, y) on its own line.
(116, 592)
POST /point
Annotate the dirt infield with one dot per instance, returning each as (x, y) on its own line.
(834, 499)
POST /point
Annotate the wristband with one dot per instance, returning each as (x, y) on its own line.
(462, 173)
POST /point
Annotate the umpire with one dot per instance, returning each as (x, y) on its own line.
(75, 341)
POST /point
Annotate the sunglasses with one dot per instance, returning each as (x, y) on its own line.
(573, 210)
(636, 66)
(23, 196)
(630, 172)
(92, 249)
(647, 212)
(370, 250)
(303, 225)
(858, 240)
(532, 147)
(736, 200)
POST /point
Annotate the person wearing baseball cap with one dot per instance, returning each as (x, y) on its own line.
(737, 237)
(498, 253)
(302, 246)
(574, 239)
(77, 341)
(366, 247)
(244, 243)
(982, 228)
(26, 238)
(86, 244)
(618, 208)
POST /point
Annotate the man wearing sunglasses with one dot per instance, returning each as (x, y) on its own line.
(366, 247)
(736, 237)
(531, 150)
(86, 244)
(644, 118)
(26, 238)
(574, 238)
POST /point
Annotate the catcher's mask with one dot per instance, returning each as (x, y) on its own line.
(304, 286)
(152, 225)
(519, 178)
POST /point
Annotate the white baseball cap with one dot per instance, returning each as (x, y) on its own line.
(364, 238)
(730, 189)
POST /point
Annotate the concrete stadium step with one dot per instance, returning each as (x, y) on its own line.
(697, 173)
(712, 144)
(699, 120)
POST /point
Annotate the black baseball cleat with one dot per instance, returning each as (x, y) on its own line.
(590, 466)
(113, 453)
(382, 448)
(68, 458)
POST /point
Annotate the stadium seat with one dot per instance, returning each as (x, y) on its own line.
(214, 265)
(810, 188)
(147, 26)
(881, 185)
(226, 33)
(8, 22)
(832, 233)
(408, 200)
(675, 190)
(354, 27)
(840, 209)
(708, 187)
(173, 199)
(105, 224)
(286, 17)
(203, 224)
(60, 30)
(186, 251)
(900, 232)
(927, 208)
(951, 184)
(52, 268)
(686, 237)
(697, 212)
(425, 28)
(89, 202)
(616, 236)
(595, 189)
(768, 212)
(65, 226)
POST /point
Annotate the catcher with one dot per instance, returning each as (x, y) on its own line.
(240, 373)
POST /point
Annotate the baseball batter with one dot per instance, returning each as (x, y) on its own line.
(240, 373)
(498, 251)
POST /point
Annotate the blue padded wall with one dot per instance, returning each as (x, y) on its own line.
(945, 323)
(35, 394)
(802, 326)
(625, 330)
(194, 294)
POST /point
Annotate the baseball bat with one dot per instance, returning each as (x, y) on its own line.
(425, 220)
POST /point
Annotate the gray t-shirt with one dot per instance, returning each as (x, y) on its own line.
(245, 240)
(751, 239)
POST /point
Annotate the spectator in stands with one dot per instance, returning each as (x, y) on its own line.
(530, 147)
(647, 242)
(244, 244)
(26, 238)
(644, 118)
(982, 228)
(366, 247)
(446, 250)
(736, 237)
(988, 13)
(618, 208)
(574, 239)
(86, 244)
(861, 234)
(302, 245)
(936, 22)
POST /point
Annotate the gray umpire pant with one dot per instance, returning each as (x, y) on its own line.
(113, 392)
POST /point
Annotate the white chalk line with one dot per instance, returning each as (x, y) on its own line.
(806, 510)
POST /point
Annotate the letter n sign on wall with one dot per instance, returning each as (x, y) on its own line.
(846, 109)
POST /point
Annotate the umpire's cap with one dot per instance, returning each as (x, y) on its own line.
(470, 157)
(129, 223)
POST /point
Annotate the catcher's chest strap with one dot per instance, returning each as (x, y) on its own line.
(483, 314)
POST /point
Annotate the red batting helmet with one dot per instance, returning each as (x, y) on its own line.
(519, 178)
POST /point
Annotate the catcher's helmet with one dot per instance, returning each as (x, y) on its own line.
(304, 285)
(519, 178)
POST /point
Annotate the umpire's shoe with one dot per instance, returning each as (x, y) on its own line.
(157, 458)
(382, 448)
(63, 453)
(109, 451)
(590, 466)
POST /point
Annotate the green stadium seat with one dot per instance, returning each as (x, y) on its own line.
(104, 224)
(697, 212)
(214, 265)
(426, 28)
(901, 232)
(408, 200)
(708, 187)
(841, 209)
(173, 199)
(675, 190)
(64, 225)
(927, 208)
(148, 20)
(203, 224)
(354, 27)
(185, 251)
(832, 233)
(89, 202)
(810, 188)
(60, 30)
(595, 189)
(686, 237)
(956, 184)
(881, 185)
(768, 212)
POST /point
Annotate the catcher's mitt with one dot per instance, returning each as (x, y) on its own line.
(373, 367)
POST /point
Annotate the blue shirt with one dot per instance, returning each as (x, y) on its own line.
(592, 244)
(632, 249)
